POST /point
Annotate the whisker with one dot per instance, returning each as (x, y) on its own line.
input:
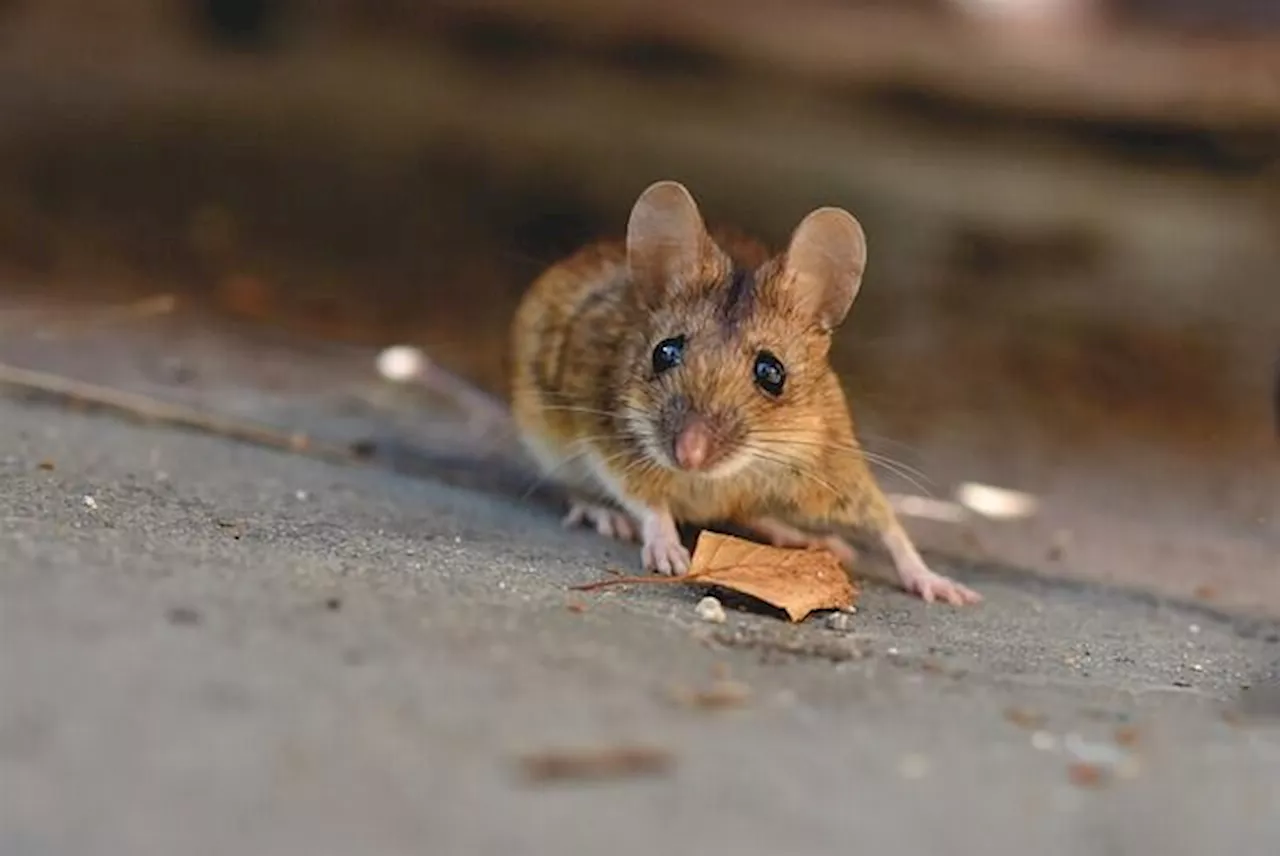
(549, 475)
(904, 472)
(567, 408)
(622, 437)
(899, 468)
(793, 463)
(888, 441)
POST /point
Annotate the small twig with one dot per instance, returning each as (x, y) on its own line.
(148, 307)
(621, 581)
(143, 408)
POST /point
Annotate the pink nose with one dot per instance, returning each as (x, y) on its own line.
(693, 445)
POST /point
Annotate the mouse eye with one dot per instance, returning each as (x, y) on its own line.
(769, 373)
(668, 354)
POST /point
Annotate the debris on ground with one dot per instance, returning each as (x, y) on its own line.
(774, 647)
(1084, 775)
(996, 503)
(1025, 718)
(605, 762)
(723, 694)
(709, 609)
(794, 580)
(841, 622)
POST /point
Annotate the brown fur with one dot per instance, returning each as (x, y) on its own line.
(603, 421)
(582, 340)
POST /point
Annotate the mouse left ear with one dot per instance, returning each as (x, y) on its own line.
(824, 265)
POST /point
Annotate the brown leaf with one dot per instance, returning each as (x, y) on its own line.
(796, 581)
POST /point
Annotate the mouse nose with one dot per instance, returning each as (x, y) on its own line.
(693, 445)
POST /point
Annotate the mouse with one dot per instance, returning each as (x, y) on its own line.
(680, 376)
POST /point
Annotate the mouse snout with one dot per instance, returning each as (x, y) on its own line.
(694, 444)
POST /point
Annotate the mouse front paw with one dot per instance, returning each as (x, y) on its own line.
(609, 522)
(662, 551)
(665, 558)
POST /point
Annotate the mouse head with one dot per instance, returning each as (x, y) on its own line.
(730, 370)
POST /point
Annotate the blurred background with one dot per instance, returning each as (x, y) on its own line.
(1073, 210)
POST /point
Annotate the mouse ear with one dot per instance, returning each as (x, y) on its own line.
(666, 239)
(824, 264)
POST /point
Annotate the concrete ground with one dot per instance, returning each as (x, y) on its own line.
(208, 648)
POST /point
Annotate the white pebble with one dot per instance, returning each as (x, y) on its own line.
(995, 502)
(300, 495)
(401, 363)
(1044, 741)
(1089, 752)
(90, 502)
(1195, 628)
(839, 622)
(709, 609)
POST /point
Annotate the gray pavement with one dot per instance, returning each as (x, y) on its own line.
(208, 648)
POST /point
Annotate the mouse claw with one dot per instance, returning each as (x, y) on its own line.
(609, 522)
(662, 552)
(933, 587)
(666, 559)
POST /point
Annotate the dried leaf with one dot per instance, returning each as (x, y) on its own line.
(796, 581)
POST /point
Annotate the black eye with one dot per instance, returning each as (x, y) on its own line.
(668, 354)
(769, 372)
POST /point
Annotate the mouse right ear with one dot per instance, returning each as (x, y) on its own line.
(666, 239)
(824, 264)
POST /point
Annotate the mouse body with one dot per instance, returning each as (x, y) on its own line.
(679, 377)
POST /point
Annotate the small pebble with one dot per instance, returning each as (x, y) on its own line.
(1044, 741)
(1195, 628)
(400, 363)
(90, 502)
(1090, 752)
(709, 609)
(300, 495)
(995, 502)
(183, 615)
(839, 622)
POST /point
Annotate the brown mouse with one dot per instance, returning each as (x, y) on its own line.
(675, 376)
